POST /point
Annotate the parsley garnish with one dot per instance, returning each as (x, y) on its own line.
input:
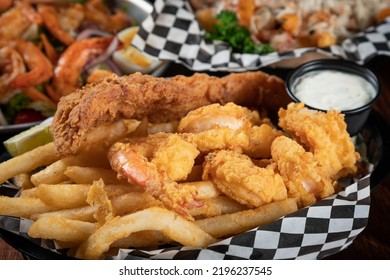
(227, 29)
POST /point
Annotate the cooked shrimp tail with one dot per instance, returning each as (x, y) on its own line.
(40, 67)
(67, 74)
(11, 66)
(155, 164)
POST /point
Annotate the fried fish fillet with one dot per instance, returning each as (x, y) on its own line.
(160, 99)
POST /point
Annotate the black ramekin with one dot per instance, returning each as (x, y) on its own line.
(354, 118)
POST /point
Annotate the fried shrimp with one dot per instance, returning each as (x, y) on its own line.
(300, 171)
(229, 126)
(239, 178)
(324, 135)
(156, 162)
(215, 115)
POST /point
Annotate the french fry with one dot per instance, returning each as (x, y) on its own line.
(216, 206)
(62, 229)
(33, 192)
(203, 189)
(155, 218)
(84, 213)
(116, 190)
(27, 162)
(244, 220)
(52, 174)
(23, 181)
(64, 196)
(105, 135)
(97, 196)
(23, 207)
(133, 201)
(56, 172)
(86, 175)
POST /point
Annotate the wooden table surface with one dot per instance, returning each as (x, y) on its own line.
(374, 241)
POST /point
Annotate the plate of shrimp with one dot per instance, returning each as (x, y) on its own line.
(290, 24)
(51, 48)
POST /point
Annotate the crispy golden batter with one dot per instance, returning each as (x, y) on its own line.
(300, 171)
(239, 178)
(155, 163)
(229, 126)
(160, 99)
(323, 134)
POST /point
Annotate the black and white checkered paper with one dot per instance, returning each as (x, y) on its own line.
(314, 232)
(172, 33)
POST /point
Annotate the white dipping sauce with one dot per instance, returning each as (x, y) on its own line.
(330, 89)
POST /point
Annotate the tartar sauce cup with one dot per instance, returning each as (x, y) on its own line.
(327, 84)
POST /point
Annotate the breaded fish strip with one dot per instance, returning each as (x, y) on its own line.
(160, 99)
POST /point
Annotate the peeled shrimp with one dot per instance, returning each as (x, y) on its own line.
(99, 14)
(62, 21)
(323, 134)
(229, 126)
(300, 171)
(217, 115)
(13, 24)
(40, 67)
(156, 162)
(239, 178)
(67, 74)
(11, 65)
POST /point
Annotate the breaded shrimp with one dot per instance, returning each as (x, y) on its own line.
(239, 178)
(323, 134)
(155, 163)
(229, 126)
(300, 171)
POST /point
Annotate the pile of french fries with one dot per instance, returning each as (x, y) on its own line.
(79, 201)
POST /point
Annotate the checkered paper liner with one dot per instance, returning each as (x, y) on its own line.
(172, 33)
(314, 232)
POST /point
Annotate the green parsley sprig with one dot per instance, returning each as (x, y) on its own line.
(229, 30)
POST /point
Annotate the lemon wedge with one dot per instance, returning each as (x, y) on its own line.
(29, 139)
(129, 59)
